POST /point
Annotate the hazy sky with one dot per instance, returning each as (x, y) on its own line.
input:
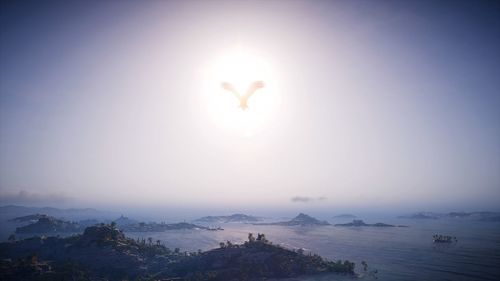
(368, 103)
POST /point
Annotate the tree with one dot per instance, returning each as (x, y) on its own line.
(113, 225)
(222, 245)
(365, 265)
(251, 238)
(261, 237)
(177, 250)
(158, 242)
(150, 241)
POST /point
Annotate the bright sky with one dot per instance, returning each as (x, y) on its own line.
(366, 103)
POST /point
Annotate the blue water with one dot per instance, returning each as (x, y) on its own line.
(402, 253)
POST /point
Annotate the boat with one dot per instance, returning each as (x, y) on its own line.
(438, 238)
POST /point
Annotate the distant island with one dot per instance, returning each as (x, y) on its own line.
(11, 211)
(44, 224)
(481, 216)
(421, 216)
(49, 225)
(103, 251)
(300, 220)
(159, 227)
(362, 223)
(345, 216)
(234, 218)
(29, 218)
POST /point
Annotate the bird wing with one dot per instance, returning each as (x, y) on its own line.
(254, 87)
(229, 87)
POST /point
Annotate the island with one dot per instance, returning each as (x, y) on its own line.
(104, 252)
(234, 218)
(480, 216)
(160, 227)
(29, 218)
(345, 216)
(300, 220)
(362, 223)
(48, 225)
(44, 224)
(421, 216)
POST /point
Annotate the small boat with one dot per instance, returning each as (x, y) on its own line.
(443, 239)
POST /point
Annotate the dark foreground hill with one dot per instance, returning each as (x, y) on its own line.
(104, 253)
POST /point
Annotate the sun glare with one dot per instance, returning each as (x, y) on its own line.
(240, 68)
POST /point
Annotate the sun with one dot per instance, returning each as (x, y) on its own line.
(240, 68)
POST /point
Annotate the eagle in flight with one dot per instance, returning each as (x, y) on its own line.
(244, 98)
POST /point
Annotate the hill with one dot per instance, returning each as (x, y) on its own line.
(13, 211)
(481, 216)
(300, 220)
(103, 251)
(48, 225)
(362, 223)
(344, 216)
(234, 218)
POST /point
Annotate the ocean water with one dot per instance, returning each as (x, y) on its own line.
(394, 253)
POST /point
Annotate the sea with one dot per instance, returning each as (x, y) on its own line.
(392, 253)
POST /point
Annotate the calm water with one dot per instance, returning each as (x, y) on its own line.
(403, 253)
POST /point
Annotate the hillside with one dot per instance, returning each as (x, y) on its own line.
(104, 251)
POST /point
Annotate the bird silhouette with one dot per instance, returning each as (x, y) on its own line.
(244, 98)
